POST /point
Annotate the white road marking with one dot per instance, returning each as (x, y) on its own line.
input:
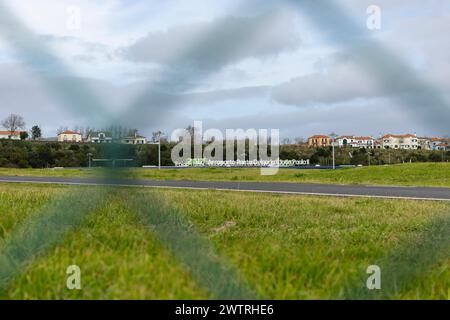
(227, 189)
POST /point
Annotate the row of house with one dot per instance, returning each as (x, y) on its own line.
(389, 141)
(98, 137)
(76, 137)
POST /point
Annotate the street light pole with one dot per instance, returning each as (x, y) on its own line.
(334, 161)
(333, 137)
(90, 159)
(159, 150)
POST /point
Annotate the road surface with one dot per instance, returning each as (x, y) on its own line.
(420, 193)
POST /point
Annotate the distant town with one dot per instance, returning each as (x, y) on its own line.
(14, 123)
(388, 141)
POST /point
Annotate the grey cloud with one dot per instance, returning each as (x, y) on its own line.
(160, 106)
(80, 50)
(39, 105)
(57, 40)
(341, 81)
(23, 92)
(212, 45)
(388, 69)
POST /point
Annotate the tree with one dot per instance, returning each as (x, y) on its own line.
(36, 132)
(158, 136)
(23, 135)
(62, 129)
(191, 131)
(299, 140)
(132, 132)
(13, 122)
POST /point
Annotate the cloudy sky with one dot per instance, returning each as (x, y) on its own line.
(304, 69)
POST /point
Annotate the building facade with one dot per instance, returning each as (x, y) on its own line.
(8, 135)
(356, 142)
(405, 141)
(319, 141)
(345, 141)
(99, 137)
(424, 143)
(440, 144)
(70, 136)
(136, 139)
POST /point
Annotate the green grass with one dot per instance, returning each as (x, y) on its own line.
(50, 172)
(287, 247)
(411, 174)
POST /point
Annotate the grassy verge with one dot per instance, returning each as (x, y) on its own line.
(411, 174)
(287, 247)
(70, 173)
(422, 174)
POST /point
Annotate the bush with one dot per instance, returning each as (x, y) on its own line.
(41, 154)
(23, 164)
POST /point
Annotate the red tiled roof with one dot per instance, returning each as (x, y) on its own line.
(7, 133)
(319, 137)
(355, 138)
(69, 132)
(408, 135)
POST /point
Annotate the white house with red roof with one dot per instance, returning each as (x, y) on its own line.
(10, 135)
(400, 141)
(356, 142)
(439, 144)
(70, 136)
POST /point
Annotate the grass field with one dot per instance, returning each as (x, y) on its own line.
(286, 247)
(411, 174)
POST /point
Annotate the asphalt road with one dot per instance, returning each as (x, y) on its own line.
(422, 193)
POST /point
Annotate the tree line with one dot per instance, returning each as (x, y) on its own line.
(37, 154)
